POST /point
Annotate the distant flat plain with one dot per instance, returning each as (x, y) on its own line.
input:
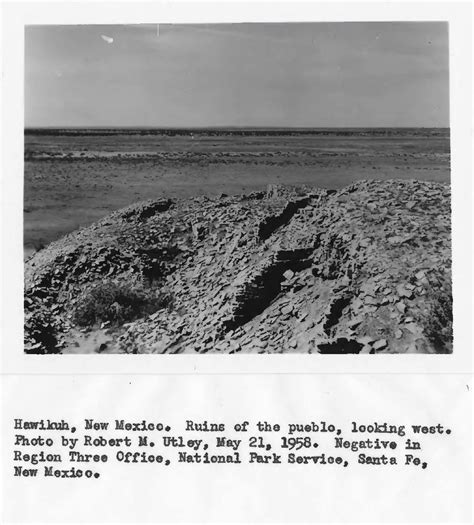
(74, 177)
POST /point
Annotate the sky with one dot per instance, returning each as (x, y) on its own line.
(340, 74)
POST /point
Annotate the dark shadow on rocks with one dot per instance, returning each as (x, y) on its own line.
(340, 346)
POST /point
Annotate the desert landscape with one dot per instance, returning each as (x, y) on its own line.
(75, 177)
(325, 241)
(253, 188)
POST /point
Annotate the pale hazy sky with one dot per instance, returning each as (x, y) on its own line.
(312, 74)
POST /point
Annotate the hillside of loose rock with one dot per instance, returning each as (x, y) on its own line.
(365, 269)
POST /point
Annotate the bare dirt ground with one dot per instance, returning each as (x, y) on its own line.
(72, 181)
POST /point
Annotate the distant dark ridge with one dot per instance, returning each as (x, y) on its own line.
(371, 132)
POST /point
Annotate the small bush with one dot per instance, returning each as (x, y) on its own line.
(117, 303)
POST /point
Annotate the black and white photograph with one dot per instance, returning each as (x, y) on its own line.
(241, 188)
(287, 184)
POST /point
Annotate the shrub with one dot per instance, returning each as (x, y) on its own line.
(117, 303)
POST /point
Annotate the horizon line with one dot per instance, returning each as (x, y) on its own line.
(233, 127)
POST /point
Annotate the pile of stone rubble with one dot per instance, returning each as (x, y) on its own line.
(366, 269)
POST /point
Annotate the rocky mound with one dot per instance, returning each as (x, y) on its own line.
(366, 269)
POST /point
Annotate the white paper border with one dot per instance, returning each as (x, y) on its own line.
(17, 15)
